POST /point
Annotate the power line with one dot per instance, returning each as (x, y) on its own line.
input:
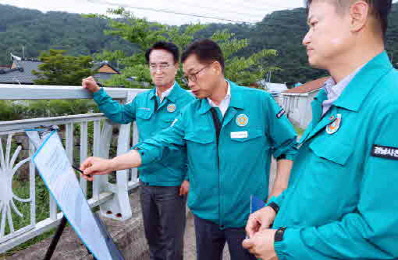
(169, 11)
(253, 5)
(216, 8)
(206, 16)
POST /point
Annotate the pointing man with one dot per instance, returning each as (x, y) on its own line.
(230, 133)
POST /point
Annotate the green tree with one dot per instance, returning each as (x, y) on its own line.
(60, 69)
(142, 34)
(243, 70)
(32, 31)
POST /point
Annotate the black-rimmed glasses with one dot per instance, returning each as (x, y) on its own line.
(193, 77)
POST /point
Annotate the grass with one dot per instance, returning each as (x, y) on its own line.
(21, 189)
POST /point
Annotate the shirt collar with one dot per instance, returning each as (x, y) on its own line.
(171, 92)
(235, 96)
(334, 90)
(166, 93)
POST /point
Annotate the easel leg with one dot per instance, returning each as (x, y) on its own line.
(57, 236)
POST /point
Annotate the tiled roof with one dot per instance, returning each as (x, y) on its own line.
(22, 74)
(308, 87)
(105, 67)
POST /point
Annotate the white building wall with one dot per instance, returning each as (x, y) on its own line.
(298, 107)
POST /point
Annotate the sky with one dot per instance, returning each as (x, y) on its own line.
(173, 12)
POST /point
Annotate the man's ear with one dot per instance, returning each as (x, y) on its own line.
(217, 68)
(359, 13)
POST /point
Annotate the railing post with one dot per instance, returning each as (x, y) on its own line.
(83, 152)
(119, 206)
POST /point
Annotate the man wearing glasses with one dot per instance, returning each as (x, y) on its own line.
(163, 184)
(230, 133)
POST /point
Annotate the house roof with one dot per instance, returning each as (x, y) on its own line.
(307, 87)
(105, 67)
(105, 71)
(21, 72)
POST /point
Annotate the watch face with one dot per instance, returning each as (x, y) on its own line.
(279, 234)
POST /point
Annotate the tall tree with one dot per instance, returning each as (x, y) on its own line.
(142, 33)
(60, 69)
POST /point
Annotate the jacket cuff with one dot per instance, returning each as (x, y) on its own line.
(97, 96)
(277, 200)
(289, 247)
(147, 156)
(290, 156)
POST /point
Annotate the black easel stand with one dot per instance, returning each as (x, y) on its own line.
(55, 240)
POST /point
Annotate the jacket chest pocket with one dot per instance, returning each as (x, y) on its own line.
(201, 146)
(330, 172)
(144, 114)
(144, 121)
(245, 135)
(200, 137)
(166, 119)
(166, 122)
(333, 151)
(244, 142)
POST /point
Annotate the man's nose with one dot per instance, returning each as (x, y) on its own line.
(307, 38)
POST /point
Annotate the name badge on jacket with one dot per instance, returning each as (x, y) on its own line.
(240, 134)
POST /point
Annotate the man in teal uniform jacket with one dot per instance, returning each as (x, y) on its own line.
(163, 187)
(342, 199)
(230, 133)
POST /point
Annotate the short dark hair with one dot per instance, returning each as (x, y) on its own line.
(162, 45)
(379, 8)
(205, 50)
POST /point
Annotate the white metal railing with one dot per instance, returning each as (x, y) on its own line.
(112, 198)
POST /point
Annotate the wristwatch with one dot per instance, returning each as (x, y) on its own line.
(274, 206)
(279, 234)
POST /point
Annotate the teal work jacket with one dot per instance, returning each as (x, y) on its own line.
(342, 200)
(224, 172)
(151, 118)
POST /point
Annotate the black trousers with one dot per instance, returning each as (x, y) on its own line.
(210, 241)
(164, 218)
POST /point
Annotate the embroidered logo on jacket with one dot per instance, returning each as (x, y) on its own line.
(171, 108)
(242, 120)
(335, 125)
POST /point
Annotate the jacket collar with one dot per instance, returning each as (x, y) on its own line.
(360, 86)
